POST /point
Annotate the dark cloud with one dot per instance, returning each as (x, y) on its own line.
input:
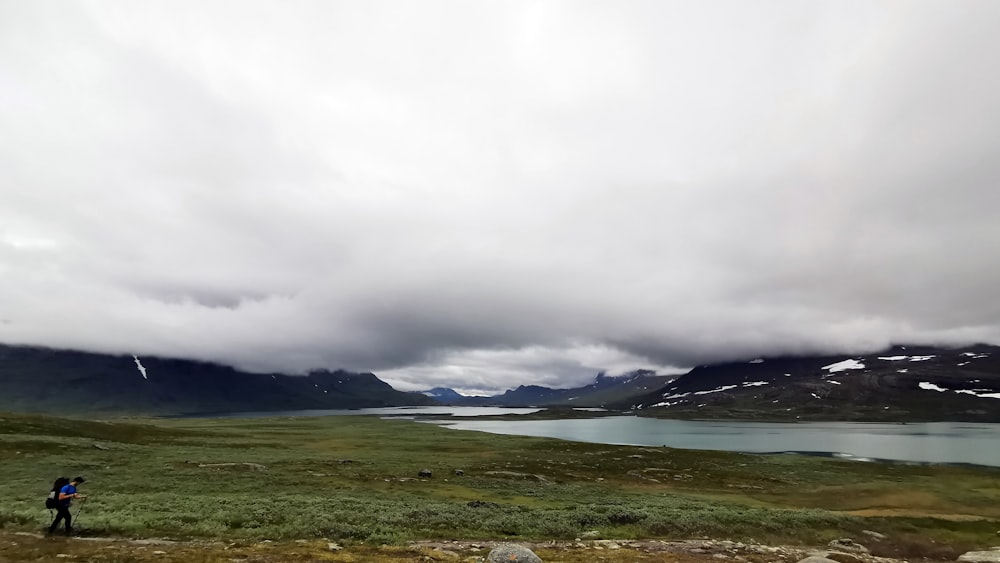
(485, 196)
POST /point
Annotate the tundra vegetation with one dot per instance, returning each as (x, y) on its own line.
(354, 480)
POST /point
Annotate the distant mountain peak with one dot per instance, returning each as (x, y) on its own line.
(443, 394)
(899, 383)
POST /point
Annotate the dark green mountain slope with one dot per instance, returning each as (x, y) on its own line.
(36, 379)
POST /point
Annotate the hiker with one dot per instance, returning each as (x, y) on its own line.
(64, 500)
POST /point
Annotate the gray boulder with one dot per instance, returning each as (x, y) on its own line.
(842, 557)
(980, 557)
(425, 473)
(512, 553)
(816, 559)
(874, 535)
(847, 546)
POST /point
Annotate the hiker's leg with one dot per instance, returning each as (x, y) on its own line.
(69, 521)
(55, 523)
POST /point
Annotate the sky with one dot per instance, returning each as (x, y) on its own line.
(488, 194)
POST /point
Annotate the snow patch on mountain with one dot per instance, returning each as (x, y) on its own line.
(901, 358)
(720, 389)
(981, 393)
(844, 365)
(974, 355)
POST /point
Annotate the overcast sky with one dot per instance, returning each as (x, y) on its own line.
(487, 194)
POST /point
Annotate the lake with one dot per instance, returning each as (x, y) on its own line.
(934, 442)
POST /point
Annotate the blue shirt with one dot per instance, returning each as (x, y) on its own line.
(67, 490)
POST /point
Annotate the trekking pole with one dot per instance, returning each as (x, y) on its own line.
(80, 511)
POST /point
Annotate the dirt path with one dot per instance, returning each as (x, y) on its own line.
(27, 546)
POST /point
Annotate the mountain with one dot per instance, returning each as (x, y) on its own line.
(35, 379)
(904, 383)
(444, 395)
(604, 391)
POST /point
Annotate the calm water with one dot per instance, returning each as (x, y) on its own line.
(937, 442)
(400, 412)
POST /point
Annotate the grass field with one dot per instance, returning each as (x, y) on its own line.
(354, 480)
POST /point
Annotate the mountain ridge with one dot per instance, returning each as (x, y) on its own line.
(40, 379)
(603, 391)
(902, 383)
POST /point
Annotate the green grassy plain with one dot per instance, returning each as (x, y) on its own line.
(354, 479)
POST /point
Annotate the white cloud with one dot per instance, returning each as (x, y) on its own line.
(483, 195)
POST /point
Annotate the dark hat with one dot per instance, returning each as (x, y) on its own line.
(79, 479)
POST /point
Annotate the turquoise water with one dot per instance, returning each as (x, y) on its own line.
(932, 442)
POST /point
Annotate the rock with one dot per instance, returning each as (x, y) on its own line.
(158, 552)
(512, 553)
(592, 534)
(101, 447)
(980, 557)
(873, 535)
(816, 559)
(843, 557)
(425, 473)
(459, 472)
(333, 546)
(847, 545)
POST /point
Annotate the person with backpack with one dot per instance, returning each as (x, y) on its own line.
(52, 501)
(64, 498)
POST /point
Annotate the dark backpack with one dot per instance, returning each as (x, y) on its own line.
(52, 501)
